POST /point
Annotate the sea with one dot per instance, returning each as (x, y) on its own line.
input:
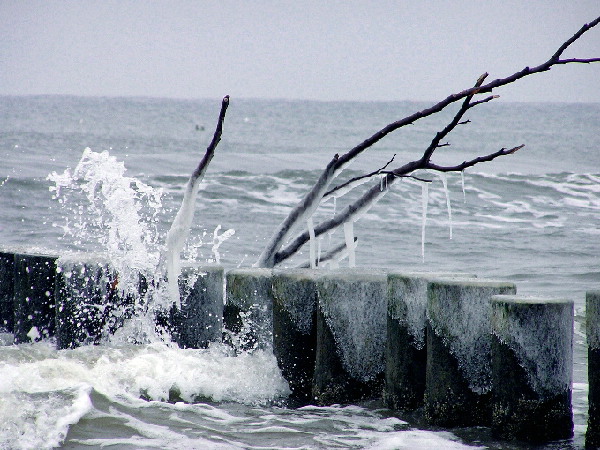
(107, 175)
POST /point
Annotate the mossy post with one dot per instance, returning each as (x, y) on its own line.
(406, 353)
(248, 310)
(458, 376)
(34, 305)
(351, 334)
(532, 368)
(7, 291)
(592, 307)
(87, 300)
(294, 329)
(201, 317)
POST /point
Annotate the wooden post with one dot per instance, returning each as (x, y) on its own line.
(34, 305)
(406, 353)
(7, 291)
(86, 300)
(248, 311)
(458, 378)
(532, 368)
(201, 317)
(351, 334)
(592, 436)
(294, 329)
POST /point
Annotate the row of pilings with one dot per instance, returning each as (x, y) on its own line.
(461, 350)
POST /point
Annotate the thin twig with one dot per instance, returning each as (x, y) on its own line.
(471, 163)
(355, 179)
(577, 60)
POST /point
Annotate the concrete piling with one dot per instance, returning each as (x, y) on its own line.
(294, 329)
(458, 374)
(248, 310)
(351, 334)
(532, 368)
(592, 308)
(34, 308)
(406, 353)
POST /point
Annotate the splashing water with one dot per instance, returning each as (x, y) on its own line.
(119, 220)
(121, 215)
(118, 217)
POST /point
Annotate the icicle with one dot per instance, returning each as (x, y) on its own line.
(444, 179)
(349, 235)
(312, 251)
(218, 240)
(333, 215)
(462, 182)
(173, 271)
(424, 203)
(319, 240)
(381, 184)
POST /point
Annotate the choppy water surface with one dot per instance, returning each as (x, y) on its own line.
(531, 218)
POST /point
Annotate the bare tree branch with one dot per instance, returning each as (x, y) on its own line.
(466, 105)
(372, 195)
(180, 228)
(554, 59)
(413, 177)
(375, 193)
(573, 38)
(578, 60)
(210, 150)
(300, 213)
(471, 163)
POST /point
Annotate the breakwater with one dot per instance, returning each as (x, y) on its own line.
(338, 335)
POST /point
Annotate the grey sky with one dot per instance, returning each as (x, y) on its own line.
(330, 50)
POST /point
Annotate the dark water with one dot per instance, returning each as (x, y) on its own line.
(532, 218)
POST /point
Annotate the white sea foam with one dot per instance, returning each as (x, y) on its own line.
(152, 369)
(41, 420)
(45, 394)
(44, 391)
(419, 440)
